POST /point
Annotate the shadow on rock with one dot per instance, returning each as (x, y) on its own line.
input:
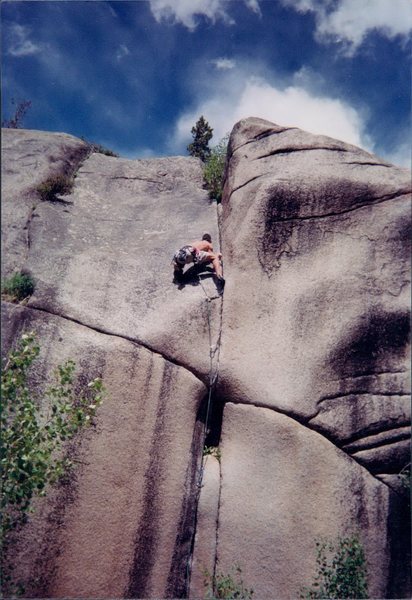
(193, 276)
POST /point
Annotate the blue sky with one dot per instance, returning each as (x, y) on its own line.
(135, 75)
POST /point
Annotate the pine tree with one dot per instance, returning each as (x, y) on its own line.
(202, 133)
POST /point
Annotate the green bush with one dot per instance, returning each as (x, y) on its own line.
(54, 185)
(215, 168)
(226, 586)
(31, 435)
(341, 570)
(17, 287)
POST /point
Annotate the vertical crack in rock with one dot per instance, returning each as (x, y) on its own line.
(179, 574)
(218, 519)
(147, 534)
(27, 230)
(211, 417)
(399, 534)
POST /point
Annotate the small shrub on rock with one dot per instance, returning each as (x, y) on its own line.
(54, 186)
(214, 169)
(212, 451)
(341, 570)
(16, 121)
(226, 586)
(17, 287)
(32, 437)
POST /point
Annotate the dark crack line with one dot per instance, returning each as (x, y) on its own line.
(363, 433)
(99, 220)
(363, 393)
(302, 149)
(219, 501)
(371, 445)
(26, 228)
(246, 183)
(136, 179)
(377, 200)
(135, 341)
(369, 164)
(261, 136)
(372, 374)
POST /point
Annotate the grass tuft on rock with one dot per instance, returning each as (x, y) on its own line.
(53, 186)
(17, 287)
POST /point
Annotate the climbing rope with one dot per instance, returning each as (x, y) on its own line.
(213, 375)
(213, 349)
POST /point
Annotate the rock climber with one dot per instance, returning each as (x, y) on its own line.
(198, 252)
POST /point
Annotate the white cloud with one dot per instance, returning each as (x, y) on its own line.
(224, 63)
(350, 21)
(20, 44)
(122, 51)
(187, 11)
(253, 5)
(289, 106)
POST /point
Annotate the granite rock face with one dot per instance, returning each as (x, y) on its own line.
(28, 159)
(101, 261)
(114, 529)
(316, 238)
(315, 354)
(312, 405)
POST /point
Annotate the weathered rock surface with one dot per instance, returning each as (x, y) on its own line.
(101, 261)
(316, 240)
(313, 396)
(121, 532)
(205, 543)
(28, 159)
(315, 236)
(278, 476)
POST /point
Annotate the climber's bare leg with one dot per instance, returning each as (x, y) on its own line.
(217, 265)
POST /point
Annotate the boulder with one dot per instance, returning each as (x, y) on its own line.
(316, 314)
(112, 246)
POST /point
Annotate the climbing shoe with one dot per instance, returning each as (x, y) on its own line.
(178, 276)
(220, 284)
